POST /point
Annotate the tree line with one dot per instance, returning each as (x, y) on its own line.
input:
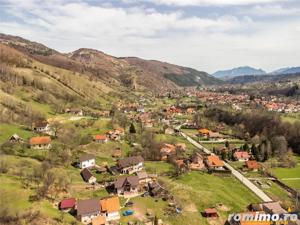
(270, 135)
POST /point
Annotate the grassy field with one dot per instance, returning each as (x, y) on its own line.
(291, 117)
(284, 174)
(18, 198)
(196, 191)
(7, 130)
(158, 167)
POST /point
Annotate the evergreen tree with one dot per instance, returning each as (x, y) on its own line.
(132, 129)
(246, 147)
(254, 151)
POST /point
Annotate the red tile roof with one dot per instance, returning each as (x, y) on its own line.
(67, 203)
(100, 137)
(39, 140)
(252, 164)
(241, 155)
(214, 160)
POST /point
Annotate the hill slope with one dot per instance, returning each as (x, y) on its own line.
(287, 70)
(115, 72)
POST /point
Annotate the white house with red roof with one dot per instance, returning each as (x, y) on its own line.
(241, 156)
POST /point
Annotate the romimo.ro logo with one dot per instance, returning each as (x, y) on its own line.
(260, 217)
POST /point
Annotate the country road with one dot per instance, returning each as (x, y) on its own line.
(237, 174)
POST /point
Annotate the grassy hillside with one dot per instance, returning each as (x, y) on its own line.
(130, 72)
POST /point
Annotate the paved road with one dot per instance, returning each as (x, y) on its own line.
(236, 173)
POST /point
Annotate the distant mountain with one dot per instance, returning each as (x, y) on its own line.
(264, 78)
(239, 71)
(286, 70)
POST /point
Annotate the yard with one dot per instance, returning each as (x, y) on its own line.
(290, 176)
(7, 130)
(198, 190)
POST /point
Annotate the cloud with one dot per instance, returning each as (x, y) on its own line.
(272, 10)
(204, 2)
(206, 42)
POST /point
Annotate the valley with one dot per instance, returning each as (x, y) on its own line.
(88, 138)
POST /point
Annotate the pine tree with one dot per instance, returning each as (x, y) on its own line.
(132, 129)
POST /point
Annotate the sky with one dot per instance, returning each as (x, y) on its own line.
(207, 35)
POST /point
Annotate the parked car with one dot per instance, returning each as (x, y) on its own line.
(128, 204)
(128, 212)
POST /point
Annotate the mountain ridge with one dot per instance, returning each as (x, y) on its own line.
(132, 72)
(238, 71)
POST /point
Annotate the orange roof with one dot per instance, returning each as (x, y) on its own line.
(210, 211)
(99, 220)
(100, 137)
(169, 146)
(120, 129)
(39, 140)
(215, 160)
(110, 204)
(252, 164)
(203, 131)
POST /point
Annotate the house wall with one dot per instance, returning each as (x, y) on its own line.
(87, 163)
(133, 169)
(101, 141)
(92, 180)
(45, 146)
(112, 216)
(86, 219)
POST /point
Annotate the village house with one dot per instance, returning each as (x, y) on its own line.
(86, 161)
(67, 204)
(203, 132)
(127, 185)
(196, 162)
(40, 142)
(180, 147)
(120, 131)
(169, 131)
(180, 163)
(241, 156)
(88, 209)
(273, 208)
(252, 165)
(99, 220)
(117, 153)
(115, 135)
(110, 207)
(98, 211)
(210, 213)
(100, 138)
(190, 110)
(143, 177)
(130, 165)
(15, 138)
(77, 112)
(88, 176)
(167, 150)
(213, 162)
(215, 136)
(42, 127)
(140, 109)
